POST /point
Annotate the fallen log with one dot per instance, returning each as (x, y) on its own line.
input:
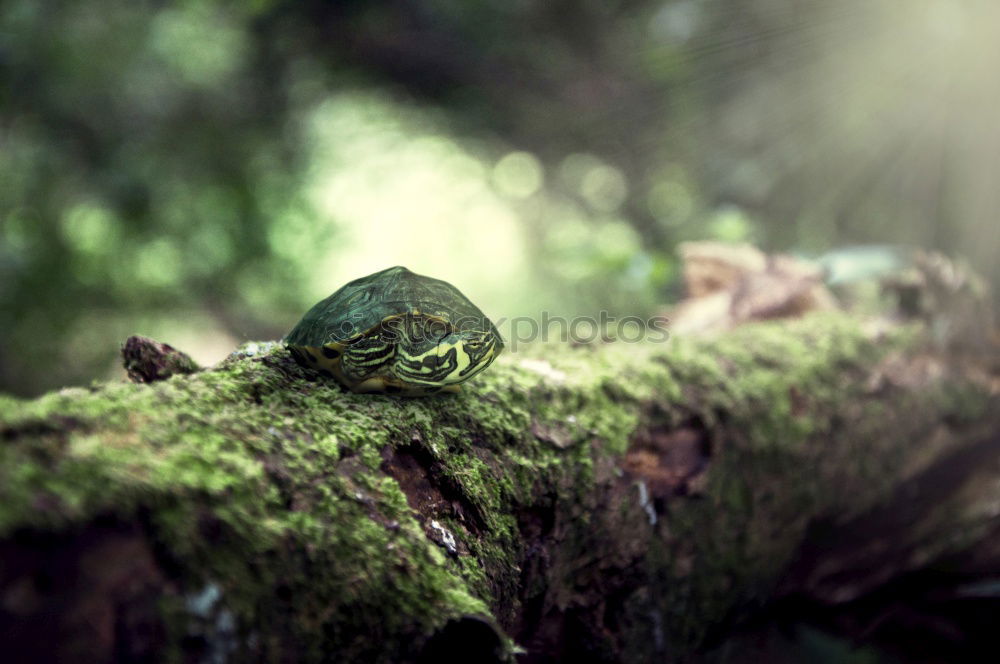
(605, 503)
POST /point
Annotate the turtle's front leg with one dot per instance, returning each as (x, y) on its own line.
(366, 357)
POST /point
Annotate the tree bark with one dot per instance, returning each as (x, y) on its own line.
(611, 503)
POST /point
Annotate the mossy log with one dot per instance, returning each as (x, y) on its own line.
(613, 503)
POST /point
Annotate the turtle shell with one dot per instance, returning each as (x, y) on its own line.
(361, 305)
(350, 327)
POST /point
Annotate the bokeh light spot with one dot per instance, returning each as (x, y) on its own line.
(604, 188)
(730, 224)
(518, 175)
(671, 202)
(90, 228)
(158, 263)
(200, 44)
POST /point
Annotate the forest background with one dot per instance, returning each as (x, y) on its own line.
(203, 171)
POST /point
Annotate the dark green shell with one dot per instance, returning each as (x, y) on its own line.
(361, 305)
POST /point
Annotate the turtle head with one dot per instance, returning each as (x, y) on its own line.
(432, 352)
(476, 349)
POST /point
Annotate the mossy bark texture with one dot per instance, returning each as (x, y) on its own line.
(613, 503)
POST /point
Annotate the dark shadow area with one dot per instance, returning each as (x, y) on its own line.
(467, 639)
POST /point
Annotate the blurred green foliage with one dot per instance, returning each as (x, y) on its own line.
(203, 171)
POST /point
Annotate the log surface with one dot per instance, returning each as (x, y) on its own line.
(613, 503)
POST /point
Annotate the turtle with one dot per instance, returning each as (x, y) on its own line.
(396, 332)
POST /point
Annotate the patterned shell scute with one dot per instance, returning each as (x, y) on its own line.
(362, 304)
